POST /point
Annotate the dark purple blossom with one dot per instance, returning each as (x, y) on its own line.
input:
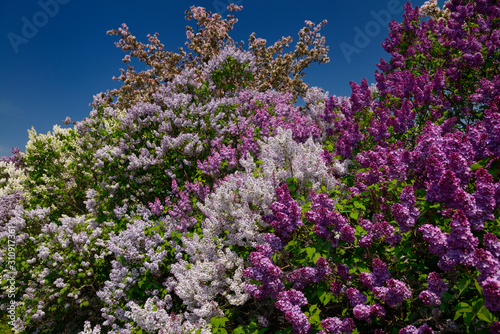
(406, 214)
(264, 271)
(343, 272)
(495, 328)
(377, 277)
(273, 241)
(377, 310)
(491, 293)
(436, 239)
(486, 263)
(156, 207)
(492, 244)
(436, 289)
(304, 276)
(362, 312)
(394, 294)
(286, 216)
(355, 297)
(424, 329)
(15, 158)
(336, 288)
(336, 326)
(290, 302)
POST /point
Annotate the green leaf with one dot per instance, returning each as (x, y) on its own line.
(310, 251)
(463, 307)
(468, 317)
(325, 298)
(359, 205)
(354, 215)
(485, 315)
(475, 166)
(477, 286)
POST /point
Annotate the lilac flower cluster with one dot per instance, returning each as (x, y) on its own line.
(16, 157)
(302, 277)
(394, 294)
(376, 278)
(286, 214)
(323, 216)
(436, 288)
(362, 311)
(336, 326)
(264, 271)
(424, 329)
(405, 213)
(454, 248)
(290, 302)
(377, 230)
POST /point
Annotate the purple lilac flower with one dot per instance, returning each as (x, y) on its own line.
(181, 210)
(424, 329)
(290, 302)
(355, 297)
(320, 217)
(380, 271)
(492, 244)
(436, 239)
(495, 328)
(323, 217)
(336, 288)
(336, 326)
(367, 279)
(198, 189)
(156, 207)
(460, 242)
(377, 310)
(486, 263)
(394, 294)
(379, 275)
(304, 276)
(286, 214)
(491, 292)
(436, 289)
(347, 233)
(264, 271)
(343, 272)
(484, 197)
(403, 118)
(405, 214)
(15, 158)
(273, 241)
(362, 312)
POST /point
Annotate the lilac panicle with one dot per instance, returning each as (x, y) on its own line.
(336, 326)
(264, 271)
(436, 289)
(394, 294)
(303, 276)
(286, 214)
(290, 302)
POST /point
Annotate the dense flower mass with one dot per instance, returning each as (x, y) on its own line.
(198, 198)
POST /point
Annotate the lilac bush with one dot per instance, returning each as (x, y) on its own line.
(198, 198)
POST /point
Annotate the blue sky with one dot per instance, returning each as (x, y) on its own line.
(55, 54)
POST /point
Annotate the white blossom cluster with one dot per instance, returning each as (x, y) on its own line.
(12, 179)
(64, 144)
